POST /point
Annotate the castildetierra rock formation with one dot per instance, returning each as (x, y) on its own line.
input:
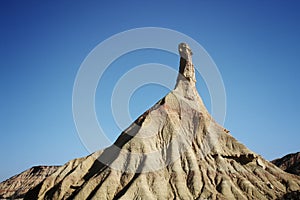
(175, 150)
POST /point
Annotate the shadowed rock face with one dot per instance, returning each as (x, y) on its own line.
(289, 163)
(175, 150)
(18, 185)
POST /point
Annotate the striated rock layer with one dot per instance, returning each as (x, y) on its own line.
(175, 150)
(289, 163)
(17, 186)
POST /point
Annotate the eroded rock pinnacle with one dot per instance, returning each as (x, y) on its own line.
(186, 68)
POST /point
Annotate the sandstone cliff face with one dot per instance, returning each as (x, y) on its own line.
(175, 150)
(17, 186)
(289, 163)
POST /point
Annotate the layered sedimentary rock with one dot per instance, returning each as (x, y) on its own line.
(175, 150)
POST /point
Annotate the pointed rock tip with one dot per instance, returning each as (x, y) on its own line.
(185, 51)
(186, 68)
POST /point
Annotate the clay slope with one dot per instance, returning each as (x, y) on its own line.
(16, 186)
(289, 163)
(175, 150)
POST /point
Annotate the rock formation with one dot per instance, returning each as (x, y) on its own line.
(17, 186)
(289, 163)
(175, 150)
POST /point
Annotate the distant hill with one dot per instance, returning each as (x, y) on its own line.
(17, 186)
(289, 163)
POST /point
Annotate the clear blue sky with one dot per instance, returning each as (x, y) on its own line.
(255, 44)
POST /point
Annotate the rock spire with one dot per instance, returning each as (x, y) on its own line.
(186, 67)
